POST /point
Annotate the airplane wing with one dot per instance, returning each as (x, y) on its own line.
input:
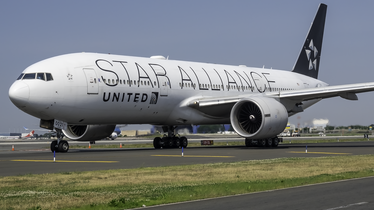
(221, 106)
(344, 91)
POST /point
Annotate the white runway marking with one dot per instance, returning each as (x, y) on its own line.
(347, 206)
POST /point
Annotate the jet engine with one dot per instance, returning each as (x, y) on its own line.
(88, 132)
(113, 136)
(258, 117)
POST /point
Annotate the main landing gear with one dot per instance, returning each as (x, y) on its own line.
(171, 140)
(269, 142)
(59, 145)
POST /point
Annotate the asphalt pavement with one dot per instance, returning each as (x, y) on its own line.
(355, 194)
(38, 158)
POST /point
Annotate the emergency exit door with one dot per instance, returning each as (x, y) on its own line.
(92, 83)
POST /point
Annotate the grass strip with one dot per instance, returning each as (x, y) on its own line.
(315, 141)
(129, 188)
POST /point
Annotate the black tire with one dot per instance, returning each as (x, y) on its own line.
(176, 142)
(165, 142)
(157, 143)
(53, 146)
(248, 142)
(261, 142)
(183, 141)
(269, 142)
(275, 142)
(63, 146)
(168, 143)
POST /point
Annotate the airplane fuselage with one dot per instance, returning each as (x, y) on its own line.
(92, 88)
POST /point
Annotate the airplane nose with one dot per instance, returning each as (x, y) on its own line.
(19, 94)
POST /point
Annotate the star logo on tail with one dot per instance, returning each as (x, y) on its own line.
(311, 53)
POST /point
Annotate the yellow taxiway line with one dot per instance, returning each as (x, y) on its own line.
(324, 153)
(66, 161)
(204, 156)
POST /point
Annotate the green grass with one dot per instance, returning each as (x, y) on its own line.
(174, 194)
(297, 141)
(129, 188)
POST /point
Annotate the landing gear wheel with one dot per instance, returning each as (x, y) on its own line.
(157, 143)
(183, 141)
(275, 142)
(261, 142)
(248, 142)
(53, 146)
(168, 143)
(269, 142)
(176, 142)
(63, 146)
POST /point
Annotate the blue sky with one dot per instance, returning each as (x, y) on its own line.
(253, 33)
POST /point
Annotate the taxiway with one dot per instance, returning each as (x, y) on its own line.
(39, 158)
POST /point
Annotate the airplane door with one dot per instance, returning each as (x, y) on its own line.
(164, 86)
(92, 83)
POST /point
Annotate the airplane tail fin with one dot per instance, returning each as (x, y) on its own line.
(309, 57)
(30, 134)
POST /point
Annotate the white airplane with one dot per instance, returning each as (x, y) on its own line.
(21, 136)
(28, 135)
(84, 95)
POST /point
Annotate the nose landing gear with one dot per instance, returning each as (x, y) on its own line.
(59, 145)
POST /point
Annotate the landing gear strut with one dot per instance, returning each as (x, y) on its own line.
(59, 145)
(170, 140)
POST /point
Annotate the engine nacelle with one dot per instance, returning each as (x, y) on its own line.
(258, 117)
(88, 132)
(113, 136)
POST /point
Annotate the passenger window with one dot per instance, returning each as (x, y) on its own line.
(49, 76)
(29, 76)
(20, 77)
(40, 76)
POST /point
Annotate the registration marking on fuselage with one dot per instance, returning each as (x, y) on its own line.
(66, 161)
(203, 156)
(323, 153)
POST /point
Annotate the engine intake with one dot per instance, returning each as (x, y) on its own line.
(88, 132)
(258, 117)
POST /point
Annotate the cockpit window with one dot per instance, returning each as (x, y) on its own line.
(29, 76)
(20, 76)
(40, 76)
(49, 76)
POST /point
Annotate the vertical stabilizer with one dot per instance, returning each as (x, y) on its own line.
(309, 57)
